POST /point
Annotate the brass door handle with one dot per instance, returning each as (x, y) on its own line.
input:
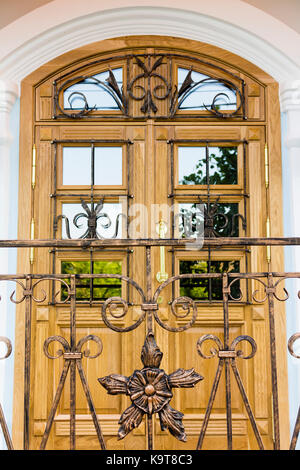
(161, 229)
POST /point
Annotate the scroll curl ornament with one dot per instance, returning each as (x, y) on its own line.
(291, 342)
(220, 351)
(148, 95)
(213, 351)
(110, 85)
(66, 348)
(239, 352)
(8, 345)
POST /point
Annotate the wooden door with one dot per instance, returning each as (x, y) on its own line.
(106, 177)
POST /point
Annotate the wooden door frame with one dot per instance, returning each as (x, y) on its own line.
(271, 125)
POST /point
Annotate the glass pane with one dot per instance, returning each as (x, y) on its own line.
(76, 166)
(108, 165)
(191, 165)
(223, 165)
(109, 287)
(206, 91)
(205, 289)
(96, 95)
(87, 289)
(191, 219)
(108, 223)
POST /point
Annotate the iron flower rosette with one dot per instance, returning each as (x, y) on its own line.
(150, 391)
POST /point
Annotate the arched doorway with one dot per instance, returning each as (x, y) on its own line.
(182, 125)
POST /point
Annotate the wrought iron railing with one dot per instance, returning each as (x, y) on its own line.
(150, 388)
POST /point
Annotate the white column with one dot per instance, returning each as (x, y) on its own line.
(8, 96)
(290, 106)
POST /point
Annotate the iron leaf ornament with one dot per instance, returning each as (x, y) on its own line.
(150, 391)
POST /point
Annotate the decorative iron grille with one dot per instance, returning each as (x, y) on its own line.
(150, 81)
(150, 388)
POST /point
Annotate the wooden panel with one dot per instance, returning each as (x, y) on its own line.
(150, 184)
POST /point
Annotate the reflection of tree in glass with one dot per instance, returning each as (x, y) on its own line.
(222, 170)
(110, 287)
(225, 220)
(201, 289)
(222, 166)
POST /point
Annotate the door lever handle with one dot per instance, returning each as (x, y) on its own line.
(161, 230)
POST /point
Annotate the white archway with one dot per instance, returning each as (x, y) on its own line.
(63, 25)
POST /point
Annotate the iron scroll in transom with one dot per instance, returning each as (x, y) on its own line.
(149, 86)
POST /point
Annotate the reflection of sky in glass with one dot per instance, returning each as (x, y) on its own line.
(188, 158)
(205, 93)
(77, 166)
(96, 95)
(108, 165)
(111, 209)
(192, 160)
(194, 226)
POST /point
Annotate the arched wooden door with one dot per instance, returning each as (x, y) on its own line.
(138, 139)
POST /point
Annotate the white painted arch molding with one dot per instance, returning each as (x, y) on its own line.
(63, 25)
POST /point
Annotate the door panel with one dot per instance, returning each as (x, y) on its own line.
(230, 188)
(150, 182)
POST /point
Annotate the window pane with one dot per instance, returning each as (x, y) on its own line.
(191, 221)
(76, 166)
(191, 165)
(205, 289)
(202, 95)
(222, 165)
(96, 289)
(108, 165)
(96, 95)
(107, 224)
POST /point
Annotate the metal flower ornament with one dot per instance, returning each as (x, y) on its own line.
(150, 390)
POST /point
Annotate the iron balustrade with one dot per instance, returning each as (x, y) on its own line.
(150, 388)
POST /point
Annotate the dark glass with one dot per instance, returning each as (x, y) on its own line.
(205, 289)
(191, 219)
(97, 289)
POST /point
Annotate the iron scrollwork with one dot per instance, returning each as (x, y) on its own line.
(152, 83)
(92, 214)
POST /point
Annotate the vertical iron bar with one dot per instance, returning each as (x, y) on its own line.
(90, 403)
(149, 289)
(149, 329)
(27, 359)
(227, 361)
(55, 403)
(245, 191)
(295, 432)
(92, 210)
(247, 404)
(270, 293)
(129, 171)
(73, 364)
(210, 404)
(172, 212)
(5, 430)
(208, 202)
(54, 215)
